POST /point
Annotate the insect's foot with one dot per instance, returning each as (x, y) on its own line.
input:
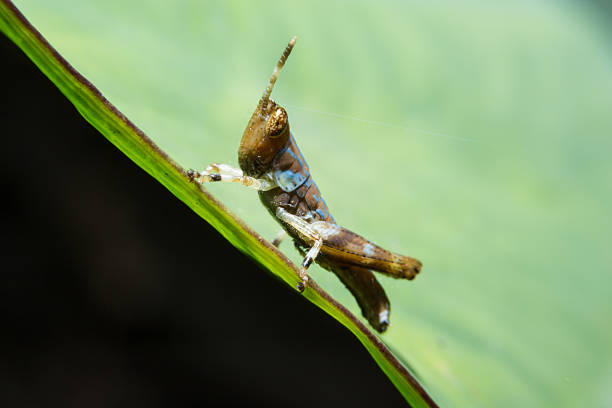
(191, 173)
(382, 327)
(203, 177)
(301, 286)
(379, 321)
(383, 322)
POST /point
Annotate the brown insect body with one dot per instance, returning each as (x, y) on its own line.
(271, 163)
(269, 151)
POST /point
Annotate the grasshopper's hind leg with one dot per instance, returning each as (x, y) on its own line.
(369, 294)
(304, 229)
(224, 172)
(308, 259)
(362, 283)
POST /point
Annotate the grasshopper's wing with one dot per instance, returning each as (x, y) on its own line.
(343, 246)
(367, 291)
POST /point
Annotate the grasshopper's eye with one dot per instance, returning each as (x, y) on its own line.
(277, 122)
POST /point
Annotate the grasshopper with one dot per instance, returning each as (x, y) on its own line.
(271, 163)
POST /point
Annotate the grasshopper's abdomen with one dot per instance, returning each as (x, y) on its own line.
(297, 193)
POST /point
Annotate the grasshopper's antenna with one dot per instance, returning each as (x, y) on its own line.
(279, 65)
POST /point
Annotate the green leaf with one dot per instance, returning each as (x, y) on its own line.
(474, 136)
(143, 151)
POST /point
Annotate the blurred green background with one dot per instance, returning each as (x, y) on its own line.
(473, 135)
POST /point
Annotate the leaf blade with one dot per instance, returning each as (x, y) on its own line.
(128, 138)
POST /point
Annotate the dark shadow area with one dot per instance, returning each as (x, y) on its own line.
(114, 293)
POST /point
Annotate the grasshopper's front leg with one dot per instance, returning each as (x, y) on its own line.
(224, 172)
(303, 228)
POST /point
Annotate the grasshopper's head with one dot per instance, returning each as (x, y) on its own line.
(267, 131)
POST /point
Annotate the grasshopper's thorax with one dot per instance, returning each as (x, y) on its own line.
(265, 135)
(296, 192)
